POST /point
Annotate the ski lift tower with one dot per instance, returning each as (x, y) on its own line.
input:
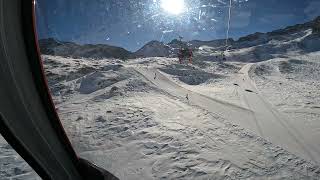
(180, 38)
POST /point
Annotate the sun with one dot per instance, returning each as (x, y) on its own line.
(173, 6)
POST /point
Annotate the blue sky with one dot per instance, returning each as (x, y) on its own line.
(132, 23)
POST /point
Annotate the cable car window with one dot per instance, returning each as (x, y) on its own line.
(187, 89)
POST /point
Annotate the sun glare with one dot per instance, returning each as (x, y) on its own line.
(173, 6)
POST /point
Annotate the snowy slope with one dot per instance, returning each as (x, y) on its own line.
(133, 119)
(292, 86)
(141, 126)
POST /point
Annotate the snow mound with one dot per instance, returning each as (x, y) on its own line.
(113, 67)
(137, 85)
(189, 75)
(311, 43)
(263, 69)
(96, 81)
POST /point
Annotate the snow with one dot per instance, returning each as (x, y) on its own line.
(133, 119)
(141, 126)
(292, 85)
(12, 166)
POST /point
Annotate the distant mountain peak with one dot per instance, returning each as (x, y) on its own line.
(153, 49)
(51, 46)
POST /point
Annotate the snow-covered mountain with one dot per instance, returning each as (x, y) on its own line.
(69, 49)
(297, 33)
(258, 46)
(300, 38)
(154, 49)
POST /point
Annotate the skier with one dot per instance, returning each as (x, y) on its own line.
(155, 76)
(187, 97)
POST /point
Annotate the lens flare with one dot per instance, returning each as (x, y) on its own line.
(173, 6)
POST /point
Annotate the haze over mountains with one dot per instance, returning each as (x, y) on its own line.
(279, 41)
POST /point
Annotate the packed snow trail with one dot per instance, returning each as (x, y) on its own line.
(223, 109)
(271, 124)
(257, 116)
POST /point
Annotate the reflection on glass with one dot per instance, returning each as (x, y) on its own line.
(187, 89)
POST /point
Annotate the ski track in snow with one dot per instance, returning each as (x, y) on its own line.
(265, 120)
(291, 86)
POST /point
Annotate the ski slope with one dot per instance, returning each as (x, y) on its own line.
(257, 114)
(148, 129)
(272, 124)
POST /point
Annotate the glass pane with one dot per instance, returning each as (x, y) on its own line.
(187, 89)
(12, 166)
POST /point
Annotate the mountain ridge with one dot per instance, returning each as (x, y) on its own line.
(156, 48)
